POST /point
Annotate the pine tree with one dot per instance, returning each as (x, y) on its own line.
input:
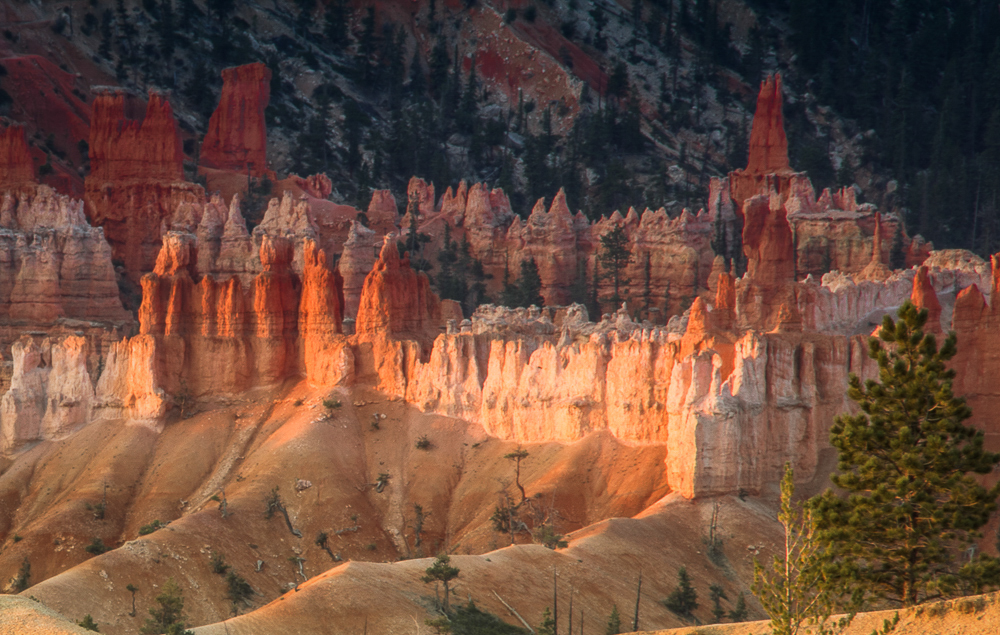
(442, 571)
(335, 20)
(508, 292)
(792, 589)
(165, 30)
(907, 530)
(548, 625)
(529, 285)
(739, 614)
(614, 622)
(451, 283)
(168, 619)
(614, 258)
(684, 599)
(716, 593)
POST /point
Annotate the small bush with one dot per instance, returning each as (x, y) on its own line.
(239, 590)
(530, 13)
(96, 547)
(18, 538)
(273, 502)
(423, 443)
(97, 509)
(88, 623)
(145, 530)
(331, 404)
(371, 546)
(219, 563)
(23, 574)
(510, 15)
(548, 537)
(297, 403)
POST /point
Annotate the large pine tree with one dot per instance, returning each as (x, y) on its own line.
(907, 529)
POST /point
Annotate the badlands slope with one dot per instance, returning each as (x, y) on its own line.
(247, 447)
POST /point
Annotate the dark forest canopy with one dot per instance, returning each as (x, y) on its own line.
(922, 75)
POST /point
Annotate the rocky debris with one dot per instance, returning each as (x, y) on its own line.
(237, 133)
(316, 185)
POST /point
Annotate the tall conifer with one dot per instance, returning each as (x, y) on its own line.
(907, 530)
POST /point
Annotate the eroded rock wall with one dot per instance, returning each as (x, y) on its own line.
(136, 182)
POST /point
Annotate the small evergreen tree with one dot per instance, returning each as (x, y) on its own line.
(913, 510)
(470, 620)
(508, 292)
(335, 24)
(23, 575)
(614, 258)
(793, 591)
(442, 571)
(548, 625)
(238, 590)
(716, 593)
(739, 613)
(614, 622)
(168, 618)
(88, 624)
(684, 599)
(529, 285)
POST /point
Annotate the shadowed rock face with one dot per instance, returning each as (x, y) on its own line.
(136, 181)
(16, 167)
(124, 149)
(237, 133)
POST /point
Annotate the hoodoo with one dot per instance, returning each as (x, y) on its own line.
(237, 133)
(290, 388)
(768, 144)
